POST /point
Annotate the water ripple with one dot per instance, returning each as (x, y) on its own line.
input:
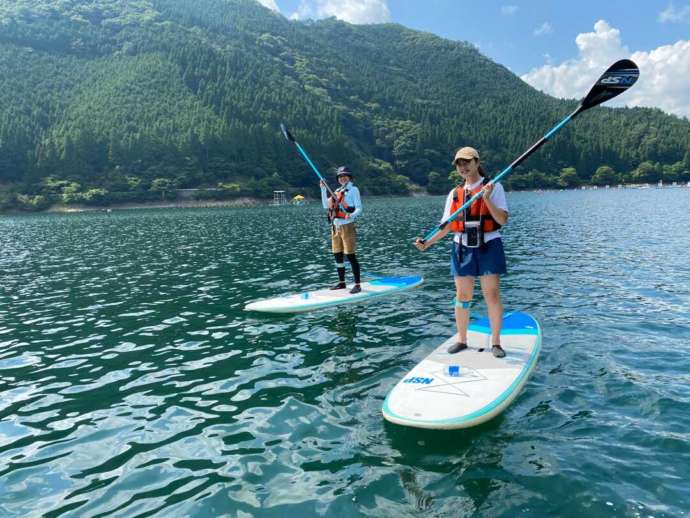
(133, 382)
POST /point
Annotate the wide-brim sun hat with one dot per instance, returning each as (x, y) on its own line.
(343, 171)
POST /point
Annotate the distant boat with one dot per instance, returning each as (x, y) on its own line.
(660, 185)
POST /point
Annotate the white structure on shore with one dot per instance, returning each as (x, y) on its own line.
(279, 198)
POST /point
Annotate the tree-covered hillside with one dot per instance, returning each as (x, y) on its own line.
(106, 100)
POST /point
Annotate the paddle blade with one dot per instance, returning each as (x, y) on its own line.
(286, 133)
(617, 79)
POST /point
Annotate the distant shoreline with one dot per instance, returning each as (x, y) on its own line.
(263, 202)
(246, 201)
(172, 204)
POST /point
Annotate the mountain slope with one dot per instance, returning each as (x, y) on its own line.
(100, 92)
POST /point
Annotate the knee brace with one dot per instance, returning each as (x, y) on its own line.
(462, 304)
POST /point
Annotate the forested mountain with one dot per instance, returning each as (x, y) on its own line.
(104, 100)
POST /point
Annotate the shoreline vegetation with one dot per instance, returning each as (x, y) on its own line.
(249, 201)
(55, 194)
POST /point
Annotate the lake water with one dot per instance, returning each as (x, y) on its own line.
(132, 383)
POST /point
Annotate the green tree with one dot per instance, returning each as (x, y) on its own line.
(32, 203)
(96, 196)
(8, 200)
(568, 178)
(163, 186)
(134, 183)
(646, 172)
(438, 184)
(605, 175)
(230, 188)
(265, 187)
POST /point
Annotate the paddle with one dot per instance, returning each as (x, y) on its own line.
(617, 79)
(290, 138)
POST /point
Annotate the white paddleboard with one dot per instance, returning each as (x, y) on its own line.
(311, 300)
(437, 395)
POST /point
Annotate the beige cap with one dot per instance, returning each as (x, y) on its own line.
(468, 153)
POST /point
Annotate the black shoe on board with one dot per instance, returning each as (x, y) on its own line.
(339, 286)
(457, 347)
(498, 351)
(356, 289)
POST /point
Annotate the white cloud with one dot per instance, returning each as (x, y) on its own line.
(664, 71)
(271, 4)
(507, 10)
(352, 11)
(671, 14)
(544, 28)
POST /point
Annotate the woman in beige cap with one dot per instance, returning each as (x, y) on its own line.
(477, 245)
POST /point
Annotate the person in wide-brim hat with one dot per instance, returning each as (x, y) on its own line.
(343, 210)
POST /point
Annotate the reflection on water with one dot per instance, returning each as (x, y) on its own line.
(132, 382)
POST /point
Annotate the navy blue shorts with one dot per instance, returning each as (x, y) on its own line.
(475, 262)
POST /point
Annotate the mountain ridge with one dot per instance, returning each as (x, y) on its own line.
(116, 94)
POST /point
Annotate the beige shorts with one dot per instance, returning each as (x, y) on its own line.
(344, 239)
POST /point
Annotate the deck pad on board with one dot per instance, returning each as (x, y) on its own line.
(311, 300)
(446, 391)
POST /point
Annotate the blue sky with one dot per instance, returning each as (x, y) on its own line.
(559, 47)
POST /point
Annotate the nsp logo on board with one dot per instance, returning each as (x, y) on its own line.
(417, 379)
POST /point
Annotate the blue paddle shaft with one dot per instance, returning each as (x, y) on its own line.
(508, 169)
(311, 164)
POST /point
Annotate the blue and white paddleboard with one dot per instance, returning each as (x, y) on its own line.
(311, 300)
(461, 390)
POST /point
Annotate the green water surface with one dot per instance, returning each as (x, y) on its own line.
(132, 383)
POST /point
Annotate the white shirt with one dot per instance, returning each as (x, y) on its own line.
(498, 197)
(351, 199)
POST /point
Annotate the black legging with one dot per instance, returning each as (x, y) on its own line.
(354, 263)
(340, 265)
(355, 266)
